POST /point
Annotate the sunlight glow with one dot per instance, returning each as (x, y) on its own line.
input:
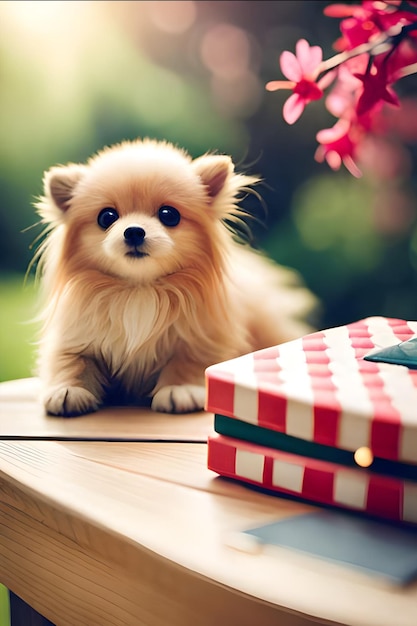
(61, 26)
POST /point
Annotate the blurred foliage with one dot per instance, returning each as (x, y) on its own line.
(75, 76)
(17, 327)
(331, 236)
(4, 607)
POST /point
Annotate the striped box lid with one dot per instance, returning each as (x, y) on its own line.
(320, 388)
(314, 480)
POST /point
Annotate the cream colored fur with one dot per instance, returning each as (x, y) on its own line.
(123, 327)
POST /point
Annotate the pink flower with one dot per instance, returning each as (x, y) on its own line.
(338, 145)
(364, 22)
(341, 101)
(378, 47)
(302, 70)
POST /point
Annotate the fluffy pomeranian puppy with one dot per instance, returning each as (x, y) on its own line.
(145, 285)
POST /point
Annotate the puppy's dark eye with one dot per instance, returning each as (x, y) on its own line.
(106, 217)
(169, 216)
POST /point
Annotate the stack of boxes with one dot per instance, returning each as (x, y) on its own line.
(315, 419)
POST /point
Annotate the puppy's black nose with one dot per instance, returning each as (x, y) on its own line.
(134, 235)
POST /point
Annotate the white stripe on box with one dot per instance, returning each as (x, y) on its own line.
(245, 403)
(290, 351)
(400, 389)
(410, 502)
(338, 344)
(296, 386)
(377, 323)
(249, 465)
(227, 367)
(408, 442)
(382, 334)
(350, 392)
(288, 476)
(299, 419)
(351, 488)
(354, 430)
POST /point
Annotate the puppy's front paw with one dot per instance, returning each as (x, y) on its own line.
(70, 401)
(179, 399)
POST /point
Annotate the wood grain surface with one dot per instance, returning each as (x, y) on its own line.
(101, 533)
(22, 416)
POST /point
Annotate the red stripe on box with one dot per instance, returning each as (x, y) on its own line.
(384, 494)
(220, 393)
(268, 468)
(314, 342)
(221, 459)
(264, 367)
(272, 410)
(386, 428)
(386, 423)
(360, 338)
(413, 377)
(318, 485)
(325, 404)
(272, 407)
(401, 329)
(385, 497)
(385, 431)
(359, 325)
(326, 418)
(267, 354)
(410, 330)
(372, 380)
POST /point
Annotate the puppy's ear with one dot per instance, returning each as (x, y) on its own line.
(214, 170)
(60, 182)
(224, 186)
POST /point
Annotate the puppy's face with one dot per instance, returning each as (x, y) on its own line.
(134, 215)
(141, 210)
(142, 245)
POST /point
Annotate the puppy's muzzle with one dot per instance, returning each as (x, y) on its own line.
(134, 236)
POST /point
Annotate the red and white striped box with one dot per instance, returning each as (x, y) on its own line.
(314, 480)
(320, 389)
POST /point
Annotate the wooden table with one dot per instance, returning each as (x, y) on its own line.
(114, 519)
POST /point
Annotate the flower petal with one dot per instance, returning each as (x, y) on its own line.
(334, 160)
(338, 103)
(293, 108)
(391, 97)
(290, 66)
(274, 85)
(330, 135)
(339, 10)
(309, 57)
(351, 166)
